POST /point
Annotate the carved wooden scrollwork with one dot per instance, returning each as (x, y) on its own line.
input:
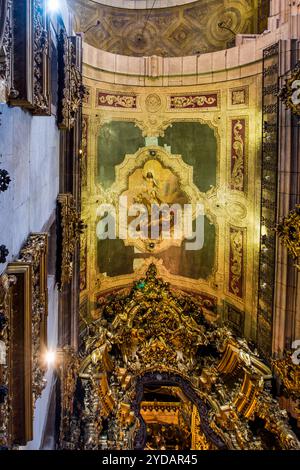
(31, 62)
(3, 12)
(70, 87)
(70, 228)
(34, 252)
(6, 44)
(288, 231)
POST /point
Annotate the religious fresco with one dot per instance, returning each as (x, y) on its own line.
(141, 147)
(158, 175)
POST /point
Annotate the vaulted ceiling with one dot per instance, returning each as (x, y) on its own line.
(187, 28)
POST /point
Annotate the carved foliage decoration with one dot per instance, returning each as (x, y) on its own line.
(6, 42)
(236, 261)
(34, 252)
(116, 101)
(40, 58)
(31, 84)
(68, 373)
(70, 228)
(288, 371)
(70, 88)
(237, 180)
(290, 92)
(194, 101)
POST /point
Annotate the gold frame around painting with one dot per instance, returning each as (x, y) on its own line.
(20, 354)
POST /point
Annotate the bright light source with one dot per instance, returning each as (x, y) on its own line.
(53, 5)
(50, 358)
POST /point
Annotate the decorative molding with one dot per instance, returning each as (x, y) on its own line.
(269, 166)
(153, 103)
(6, 283)
(35, 252)
(70, 227)
(239, 96)
(183, 30)
(207, 100)
(21, 390)
(111, 100)
(238, 146)
(235, 318)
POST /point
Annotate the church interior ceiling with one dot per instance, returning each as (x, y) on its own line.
(189, 29)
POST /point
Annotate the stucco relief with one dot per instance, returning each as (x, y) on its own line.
(188, 29)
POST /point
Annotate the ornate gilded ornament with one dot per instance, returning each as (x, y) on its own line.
(70, 228)
(70, 88)
(116, 101)
(290, 92)
(5, 336)
(153, 103)
(239, 96)
(68, 372)
(153, 339)
(194, 101)
(6, 45)
(289, 234)
(288, 371)
(40, 51)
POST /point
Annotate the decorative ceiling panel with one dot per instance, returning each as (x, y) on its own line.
(188, 29)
